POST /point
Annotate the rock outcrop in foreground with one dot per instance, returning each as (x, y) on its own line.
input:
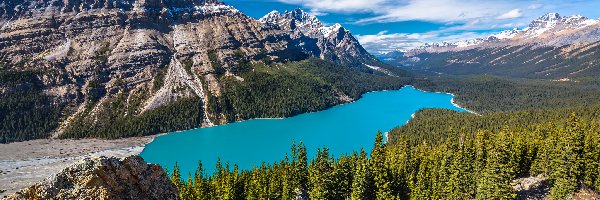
(104, 178)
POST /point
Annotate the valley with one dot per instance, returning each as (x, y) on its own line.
(195, 99)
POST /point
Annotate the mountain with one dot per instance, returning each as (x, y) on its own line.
(548, 30)
(328, 42)
(118, 68)
(552, 46)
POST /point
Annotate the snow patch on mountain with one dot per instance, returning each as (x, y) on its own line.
(216, 8)
(506, 34)
(271, 17)
(330, 29)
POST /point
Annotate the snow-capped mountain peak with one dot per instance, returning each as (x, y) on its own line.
(506, 34)
(302, 16)
(296, 19)
(549, 27)
(330, 29)
(550, 17)
(552, 21)
(271, 17)
(542, 24)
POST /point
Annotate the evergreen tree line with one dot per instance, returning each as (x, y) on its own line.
(283, 90)
(26, 113)
(490, 94)
(526, 61)
(435, 125)
(478, 165)
(182, 114)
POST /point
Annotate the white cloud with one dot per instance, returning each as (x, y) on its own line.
(439, 11)
(340, 5)
(385, 42)
(535, 6)
(514, 13)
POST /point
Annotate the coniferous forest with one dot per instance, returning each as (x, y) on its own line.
(442, 154)
(467, 165)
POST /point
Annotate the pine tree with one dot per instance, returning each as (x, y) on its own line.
(481, 149)
(178, 182)
(546, 153)
(362, 185)
(591, 158)
(569, 162)
(461, 172)
(320, 176)
(381, 174)
(301, 167)
(495, 181)
(422, 186)
(343, 175)
(200, 185)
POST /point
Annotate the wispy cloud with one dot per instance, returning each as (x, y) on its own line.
(340, 5)
(514, 13)
(535, 6)
(385, 42)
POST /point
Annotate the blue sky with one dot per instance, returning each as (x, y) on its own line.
(386, 25)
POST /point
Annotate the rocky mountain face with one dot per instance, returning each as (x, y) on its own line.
(78, 62)
(104, 178)
(552, 46)
(327, 42)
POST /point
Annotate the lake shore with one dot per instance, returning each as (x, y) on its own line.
(451, 100)
(25, 163)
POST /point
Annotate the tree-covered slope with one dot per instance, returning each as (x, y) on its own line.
(471, 164)
(277, 90)
(525, 61)
(488, 94)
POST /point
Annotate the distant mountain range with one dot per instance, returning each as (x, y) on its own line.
(550, 29)
(551, 46)
(96, 63)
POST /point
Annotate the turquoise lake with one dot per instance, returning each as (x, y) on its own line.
(343, 129)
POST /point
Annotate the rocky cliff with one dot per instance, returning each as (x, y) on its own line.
(104, 178)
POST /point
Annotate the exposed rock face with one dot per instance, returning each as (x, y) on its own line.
(152, 52)
(332, 43)
(104, 178)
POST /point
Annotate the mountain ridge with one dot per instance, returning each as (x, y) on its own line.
(91, 63)
(542, 28)
(550, 47)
